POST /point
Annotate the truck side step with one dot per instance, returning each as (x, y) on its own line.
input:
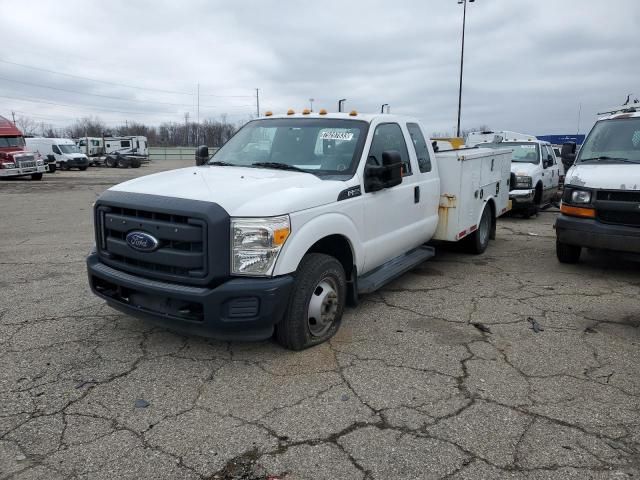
(391, 270)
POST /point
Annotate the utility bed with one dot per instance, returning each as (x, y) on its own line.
(466, 176)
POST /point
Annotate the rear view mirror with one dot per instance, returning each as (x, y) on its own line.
(202, 154)
(387, 175)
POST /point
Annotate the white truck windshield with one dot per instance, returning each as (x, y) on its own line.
(523, 152)
(322, 146)
(612, 141)
(69, 148)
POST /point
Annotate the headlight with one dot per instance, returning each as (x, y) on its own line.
(256, 243)
(8, 165)
(523, 181)
(580, 196)
(39, 163)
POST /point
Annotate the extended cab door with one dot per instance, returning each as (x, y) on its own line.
(391, 215)
(550, 172)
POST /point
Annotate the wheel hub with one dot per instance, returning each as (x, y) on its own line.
(323, 307)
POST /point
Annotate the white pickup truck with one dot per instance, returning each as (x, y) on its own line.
(289, 221)
(536, 168)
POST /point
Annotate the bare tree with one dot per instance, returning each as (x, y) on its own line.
(26, 125)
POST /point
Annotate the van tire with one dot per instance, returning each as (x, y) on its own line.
(52, 167)
(82, 169)
(320, 285)
(567, 253)
(63, 166)
(36, 176)
(478, 241)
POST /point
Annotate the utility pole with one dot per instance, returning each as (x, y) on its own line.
(186, 129)
(579, 114)
(464, 21)
(258, 102)
(198, 117)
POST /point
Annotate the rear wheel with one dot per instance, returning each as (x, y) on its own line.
(64, 166)
(82, 169)
(52, 167)
(111, 162)
(478, 241)
(36, 176)
(316, 304)
(567, 253)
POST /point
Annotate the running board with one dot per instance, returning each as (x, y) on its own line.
(391, 270)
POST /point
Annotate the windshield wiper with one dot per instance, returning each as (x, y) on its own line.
(278, 165)
(604, 157)
(223, 164)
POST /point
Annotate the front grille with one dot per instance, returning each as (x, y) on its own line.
(181, 253)
(618, 196)
(619, 217)
(27, 164)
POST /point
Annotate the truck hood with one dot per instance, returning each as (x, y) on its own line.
(524, 168)
(623, 176)
(254, 192)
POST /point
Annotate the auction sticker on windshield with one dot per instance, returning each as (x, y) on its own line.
(334, 135)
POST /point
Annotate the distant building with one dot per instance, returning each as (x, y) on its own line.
(560, 139)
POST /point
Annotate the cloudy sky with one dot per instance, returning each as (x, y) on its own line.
(530, 65)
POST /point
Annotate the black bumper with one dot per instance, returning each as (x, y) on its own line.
(238, 309)
(76, 162)
(584, 232)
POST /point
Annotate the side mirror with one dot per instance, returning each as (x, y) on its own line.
(548, 162)
(387, 175)
(202, 154)
(568, 151)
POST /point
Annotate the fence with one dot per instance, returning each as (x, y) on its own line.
(175, 153)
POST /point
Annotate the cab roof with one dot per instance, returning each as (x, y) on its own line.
(8, 129)
(366, 117)
(625, 111)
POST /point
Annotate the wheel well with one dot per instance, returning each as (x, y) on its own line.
(338, 247)
(494, 218)
(538, 198)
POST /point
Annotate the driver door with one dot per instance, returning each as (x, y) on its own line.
(391, 215)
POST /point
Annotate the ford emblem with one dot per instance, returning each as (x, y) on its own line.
(142, 241)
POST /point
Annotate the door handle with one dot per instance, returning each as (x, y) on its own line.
(416, 195)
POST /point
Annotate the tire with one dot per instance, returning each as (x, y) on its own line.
(478, 241)
(52, 167)
(36, 176)
(530, 211)
(63, 166)
(111, 162)
(82, 169)
(320, 289)
(135, 163)
(567, 253)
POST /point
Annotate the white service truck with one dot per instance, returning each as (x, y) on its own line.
(63, 151)
(600, 206)
(535, 166)
(292, 219)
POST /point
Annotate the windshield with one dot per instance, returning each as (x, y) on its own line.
(322, 146)
(612, 141)
(523, 152)
(69, 148)
(11, 142)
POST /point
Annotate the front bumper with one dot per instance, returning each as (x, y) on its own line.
(589, 233)
(19, 172)
(522, 198)
(238, 309)
(76, 162)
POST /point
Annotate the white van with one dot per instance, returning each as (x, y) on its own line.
(601, 202)
(66, 153)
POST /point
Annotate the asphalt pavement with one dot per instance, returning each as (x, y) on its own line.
(503, 365)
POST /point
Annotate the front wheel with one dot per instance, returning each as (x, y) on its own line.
(567, 253)
(36, 176)
(316, 304)
(478, 241)
(82, 169)
(111, 162)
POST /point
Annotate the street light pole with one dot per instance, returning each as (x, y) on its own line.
(464, 21)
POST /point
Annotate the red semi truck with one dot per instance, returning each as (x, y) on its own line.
(15, 159)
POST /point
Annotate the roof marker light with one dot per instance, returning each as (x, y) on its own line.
(306, 111)
(353, 113)
(290, 112)
(322, 111)
(268, 114)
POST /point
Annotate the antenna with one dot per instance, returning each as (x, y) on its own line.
(340, 103)
(382, 107)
